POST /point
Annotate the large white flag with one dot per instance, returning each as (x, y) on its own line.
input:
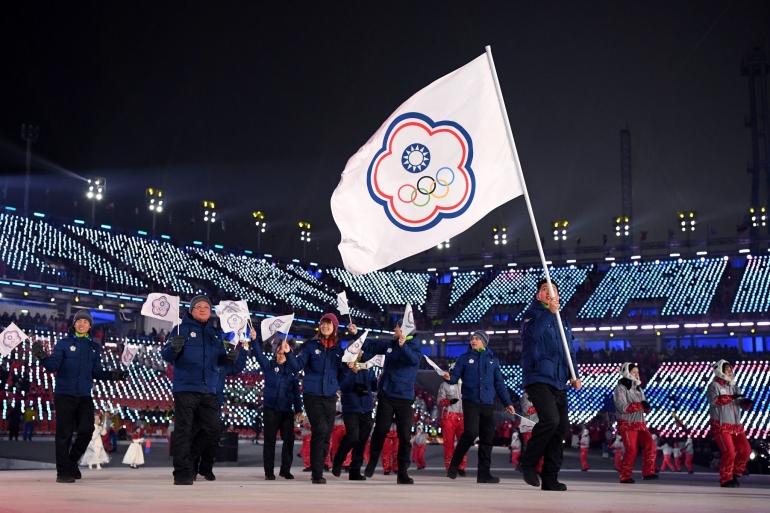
(162, 306)
(11, 337)
(351, 352)
(273, 325)
(233, 318)
(438, 164)
(407, 323)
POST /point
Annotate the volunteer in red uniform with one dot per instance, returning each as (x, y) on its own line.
(584, 446)
(390, 451)
(530, 413)
(515, 449)
(450, 400)
(725, 404)
(631, 406)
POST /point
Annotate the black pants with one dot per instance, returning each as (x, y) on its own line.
(193, 409)
(478, 421)
(71, 410)
(284, 421)
(203, 463)
(548, 434)
(389, 408)
(357, 429)
(320, 412)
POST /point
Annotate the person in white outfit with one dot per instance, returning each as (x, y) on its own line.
(95, 453)
(134, 455)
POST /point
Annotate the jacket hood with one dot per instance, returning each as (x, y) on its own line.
(718, 372)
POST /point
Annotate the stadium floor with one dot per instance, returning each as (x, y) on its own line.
(117, 488)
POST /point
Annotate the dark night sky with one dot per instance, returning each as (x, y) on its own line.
(258, 107)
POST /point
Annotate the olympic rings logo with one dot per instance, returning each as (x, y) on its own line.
(428, 189)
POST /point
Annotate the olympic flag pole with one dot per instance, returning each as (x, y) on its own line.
(529, 205)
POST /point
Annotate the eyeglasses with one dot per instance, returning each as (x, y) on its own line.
(202, 308)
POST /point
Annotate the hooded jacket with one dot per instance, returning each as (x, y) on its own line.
(725, 412)
(628, 397)
(401, 364)
(322, 367)
(77, 362)
(482, 378)
(197, 365)
(281, 385)
(543, 359)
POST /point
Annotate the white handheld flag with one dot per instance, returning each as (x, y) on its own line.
(162, 306)
(342, 303)
(351, 352)
(11, 337)
(129, 352)
(407, 325)
(273, 325)
(233, 318)
(378, 360)
(438, 164)
(433, 364)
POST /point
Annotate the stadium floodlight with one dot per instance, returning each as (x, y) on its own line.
(155, 202)
(758, 216)
(622, 226)
(687, 221)
(209, 216)
(499, 235)
(560, 230)
(96, 188)
(442, 245)
(261, 225)
(304, 236)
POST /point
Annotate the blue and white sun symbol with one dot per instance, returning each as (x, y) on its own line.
(415, 158)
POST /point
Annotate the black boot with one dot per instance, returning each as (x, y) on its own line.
(488, 479)
(336, 468)
(74, 470)
(404, 479)
(530, 475)
(64, 478)
(369, 470)
(553, 486)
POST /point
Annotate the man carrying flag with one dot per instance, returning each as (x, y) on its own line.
(395, 397)
(196, 354)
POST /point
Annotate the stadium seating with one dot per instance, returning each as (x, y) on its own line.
(461, 283)
(386, 288)
(518, 287)
(754, 290)
(687, 285)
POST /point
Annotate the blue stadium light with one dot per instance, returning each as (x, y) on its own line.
(248, 252)
(12, 209)
(197, 243)
(38, 214)
(106, 227)
(295, 260)
(79, 221)
(97, 294)
(744, 251)
(3, 282)
(219, 246)
(167, 237)
(113, 296)
(268, 255)
(18, 284)
(51, 288)
(34, 286)
(71, 291)
(702, 253)
(142, 232)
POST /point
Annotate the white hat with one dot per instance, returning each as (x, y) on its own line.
(719, 371)
(584, 432)
(625, 372)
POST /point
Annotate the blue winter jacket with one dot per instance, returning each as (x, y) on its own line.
(197, 365)
(481, 375)
(543, 359)
(281, 385)
(401, 363)
(230, 370)
(352, 400)
(322, 367)
(77, 362)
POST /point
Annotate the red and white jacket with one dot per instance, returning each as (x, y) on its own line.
(725, 412)
(529, 412)
(628, 405)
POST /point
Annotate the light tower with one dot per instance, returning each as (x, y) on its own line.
(209, 217)
(96, 188)
(499, 235)
(626, 196)
(756, 67)
(154, 200)
(261, 225)
(304, 236)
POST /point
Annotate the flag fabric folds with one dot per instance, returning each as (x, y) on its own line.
(11, 337)
(351, 351)
(233, 318)
(162, 306)
(439, 163)
(273, 325)
(407, 325)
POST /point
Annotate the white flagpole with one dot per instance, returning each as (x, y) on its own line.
(529, 204)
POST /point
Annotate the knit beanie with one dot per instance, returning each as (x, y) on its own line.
(199, 299)
(83, 314)
(482, 335)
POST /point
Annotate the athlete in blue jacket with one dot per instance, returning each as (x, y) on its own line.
(204, 463)
(321, 358)
(197, 354)
(356, 386)
(479, 371)
(545, 373)
(77, 361)
(395, 398)
(280, 395)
